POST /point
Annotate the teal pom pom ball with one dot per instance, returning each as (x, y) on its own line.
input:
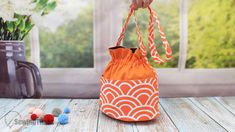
(66, 110)
(63, 119)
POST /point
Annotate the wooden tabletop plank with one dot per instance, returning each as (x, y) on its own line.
(8, 104)
(13, 120)
(47, 108)
(183, 114)
(187, 117)
(107, 124)
(161, 124)
(227, 102)
(216, 111)
(83, 116)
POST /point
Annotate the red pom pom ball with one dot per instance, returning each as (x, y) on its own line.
(48, 119)
(34, 116)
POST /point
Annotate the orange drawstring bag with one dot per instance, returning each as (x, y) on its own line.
(129, 84)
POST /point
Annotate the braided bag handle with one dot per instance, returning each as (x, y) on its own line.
(153, 51)
(140, 38)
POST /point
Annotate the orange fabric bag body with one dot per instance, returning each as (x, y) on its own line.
(129, 84)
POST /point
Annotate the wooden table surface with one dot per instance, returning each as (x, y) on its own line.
(206, 114)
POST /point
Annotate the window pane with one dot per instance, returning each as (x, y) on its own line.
(168, 13)
(66, 35)
(211, 36)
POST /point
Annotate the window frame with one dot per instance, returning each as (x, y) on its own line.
(173, 81)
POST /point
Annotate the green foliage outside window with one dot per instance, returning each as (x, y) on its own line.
(71, 45)
(211, 34)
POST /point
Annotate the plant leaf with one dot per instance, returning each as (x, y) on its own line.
(28, 26)
(41, 4)
(10, 26)
(22, 25)
(49, 7)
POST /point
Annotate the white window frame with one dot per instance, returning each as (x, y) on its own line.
(173, 81)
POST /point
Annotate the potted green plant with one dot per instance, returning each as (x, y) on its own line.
(16, 16)
(16, 20)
